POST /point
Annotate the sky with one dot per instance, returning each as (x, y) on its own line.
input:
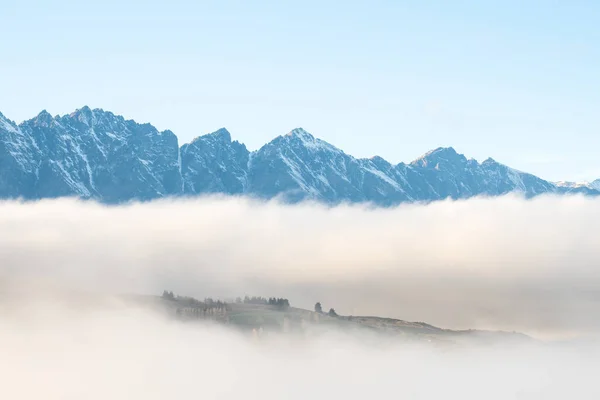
(514, 80)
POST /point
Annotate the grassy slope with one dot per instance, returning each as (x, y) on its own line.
(270, 318)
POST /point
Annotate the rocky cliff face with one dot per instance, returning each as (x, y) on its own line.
(214, 164)
(96, 154)
(90, 154)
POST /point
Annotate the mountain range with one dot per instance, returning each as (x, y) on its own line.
(95, 154)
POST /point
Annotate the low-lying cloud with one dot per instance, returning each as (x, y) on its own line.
(502, 263)
(57, 353)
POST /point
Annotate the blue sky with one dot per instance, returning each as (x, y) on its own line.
(515, 80)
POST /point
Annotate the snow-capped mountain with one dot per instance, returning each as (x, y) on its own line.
(579, 187)
(91, 154)
(96, 154)
(214, 164)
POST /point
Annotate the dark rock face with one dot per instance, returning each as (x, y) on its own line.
(214, 164)
(18, 162)
(96, 154)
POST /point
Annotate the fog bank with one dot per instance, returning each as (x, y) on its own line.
(56, 353)
(501, 263)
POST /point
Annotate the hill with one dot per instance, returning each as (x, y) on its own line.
(268, 319)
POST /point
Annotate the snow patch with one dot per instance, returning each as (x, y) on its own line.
(7, 126)
(310, 142)
(114, 137)
(179, 163)
(384, 178)
(78, 187)
(515, 177)
(297, 176)
(595, 185)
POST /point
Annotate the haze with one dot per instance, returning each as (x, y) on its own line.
(504, 263)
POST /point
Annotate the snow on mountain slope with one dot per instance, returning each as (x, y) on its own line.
(578, 187)
(18, 172)
(96, 154)
(299, 166)
(214, 164)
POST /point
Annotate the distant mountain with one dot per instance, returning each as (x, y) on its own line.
(94, 154)
(579, 187)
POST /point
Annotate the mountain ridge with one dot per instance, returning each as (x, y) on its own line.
(95, 154)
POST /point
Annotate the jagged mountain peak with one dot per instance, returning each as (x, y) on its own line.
(85, 115)
(43, 119)
(441, 155)
(84, 109)
(579, 186)
(44, 113)
(489, 161)
(301, 139)
(96, 154)
(571, 185)
(212, 163)
(379, 162)
(7, 124)
(377, 159)
(301, 134)
(2, 117)
(221, 135)
(91, 117)
(439, 152)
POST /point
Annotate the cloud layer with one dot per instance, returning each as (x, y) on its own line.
(58, 353)
(502, 263)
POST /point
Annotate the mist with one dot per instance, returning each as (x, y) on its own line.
(55, 351)
(488, 263)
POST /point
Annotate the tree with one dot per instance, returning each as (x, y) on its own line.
(332, 313)
(256, 300)
(281, 303)
(318, 308)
